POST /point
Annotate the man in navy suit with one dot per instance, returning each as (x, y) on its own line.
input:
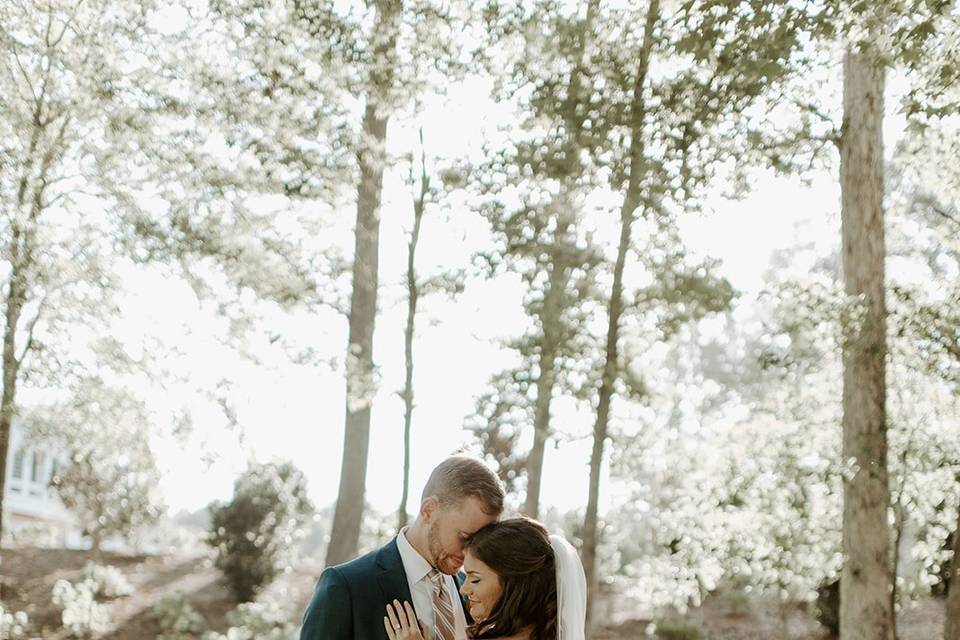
(420, 565)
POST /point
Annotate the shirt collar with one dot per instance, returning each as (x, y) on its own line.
(414, 564)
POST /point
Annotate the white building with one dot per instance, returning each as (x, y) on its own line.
(32, 512)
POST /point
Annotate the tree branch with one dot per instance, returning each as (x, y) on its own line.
(942, 212)
(28, 346)
(833, 135)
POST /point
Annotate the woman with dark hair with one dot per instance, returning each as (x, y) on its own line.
(521, 584)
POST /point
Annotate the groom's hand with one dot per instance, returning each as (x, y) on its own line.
(401, 623)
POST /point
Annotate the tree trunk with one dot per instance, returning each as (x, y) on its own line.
(865, 581)
(554, 294)
(553, 304)
(12, 310)
(21, 249)
(898, 525)
(631, 201)
(345, 534)
(413, 294)
(95, 541)
(951, 627)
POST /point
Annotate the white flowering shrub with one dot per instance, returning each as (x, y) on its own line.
(81, 614)
(256, 621)
(12, 624)
(109, 582)
(735, 482)
(178, 620)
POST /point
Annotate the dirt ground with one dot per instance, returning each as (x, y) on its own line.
(27, 576)
(736, 618)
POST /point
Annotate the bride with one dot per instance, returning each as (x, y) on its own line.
(521, 584)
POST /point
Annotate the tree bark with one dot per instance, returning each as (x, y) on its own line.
(631, 201)
(413, 295)
(951, 626)
(345, 533)
(865, 581)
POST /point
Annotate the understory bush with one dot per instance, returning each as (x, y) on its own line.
(109, 582)
(13, 625)
(256, 621)
(178, 620)
(81, 614)
(678, 630)
(255, 534)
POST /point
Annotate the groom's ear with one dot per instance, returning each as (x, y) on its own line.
(428, 508)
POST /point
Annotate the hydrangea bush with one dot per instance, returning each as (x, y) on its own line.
(81, 614)
(109, 582)
(12, 624)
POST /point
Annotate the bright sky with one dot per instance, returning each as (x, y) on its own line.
(296, 413)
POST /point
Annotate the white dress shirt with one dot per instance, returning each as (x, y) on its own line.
(421, 589)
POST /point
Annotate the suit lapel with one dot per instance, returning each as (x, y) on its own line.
(392, 578)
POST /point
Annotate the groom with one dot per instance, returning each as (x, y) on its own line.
(418, 566)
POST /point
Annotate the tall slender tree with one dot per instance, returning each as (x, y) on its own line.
(413, 296)
(564, 257)
(676, 133)
(363, 302)
(873, 37)
(64, 98)
(109, 134)
(651, 139)
(628, 211)
(393, 50)
(450, 282)
(865, 583)
(544, 239)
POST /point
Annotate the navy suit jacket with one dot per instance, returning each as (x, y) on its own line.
(351, 599)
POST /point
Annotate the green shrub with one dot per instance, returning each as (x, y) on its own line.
(255, 534)
(256, 621)
(678, 630)
(178, 620)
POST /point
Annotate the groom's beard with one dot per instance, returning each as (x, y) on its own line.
(442, 561)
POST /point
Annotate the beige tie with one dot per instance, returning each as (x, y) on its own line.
(442, 608)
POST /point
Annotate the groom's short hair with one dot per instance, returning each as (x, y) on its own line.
(461, 477)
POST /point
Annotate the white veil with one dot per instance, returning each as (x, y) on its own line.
(571, 591)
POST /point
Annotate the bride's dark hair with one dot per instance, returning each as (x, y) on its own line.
(518, 550)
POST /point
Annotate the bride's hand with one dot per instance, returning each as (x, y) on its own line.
(401, 623)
